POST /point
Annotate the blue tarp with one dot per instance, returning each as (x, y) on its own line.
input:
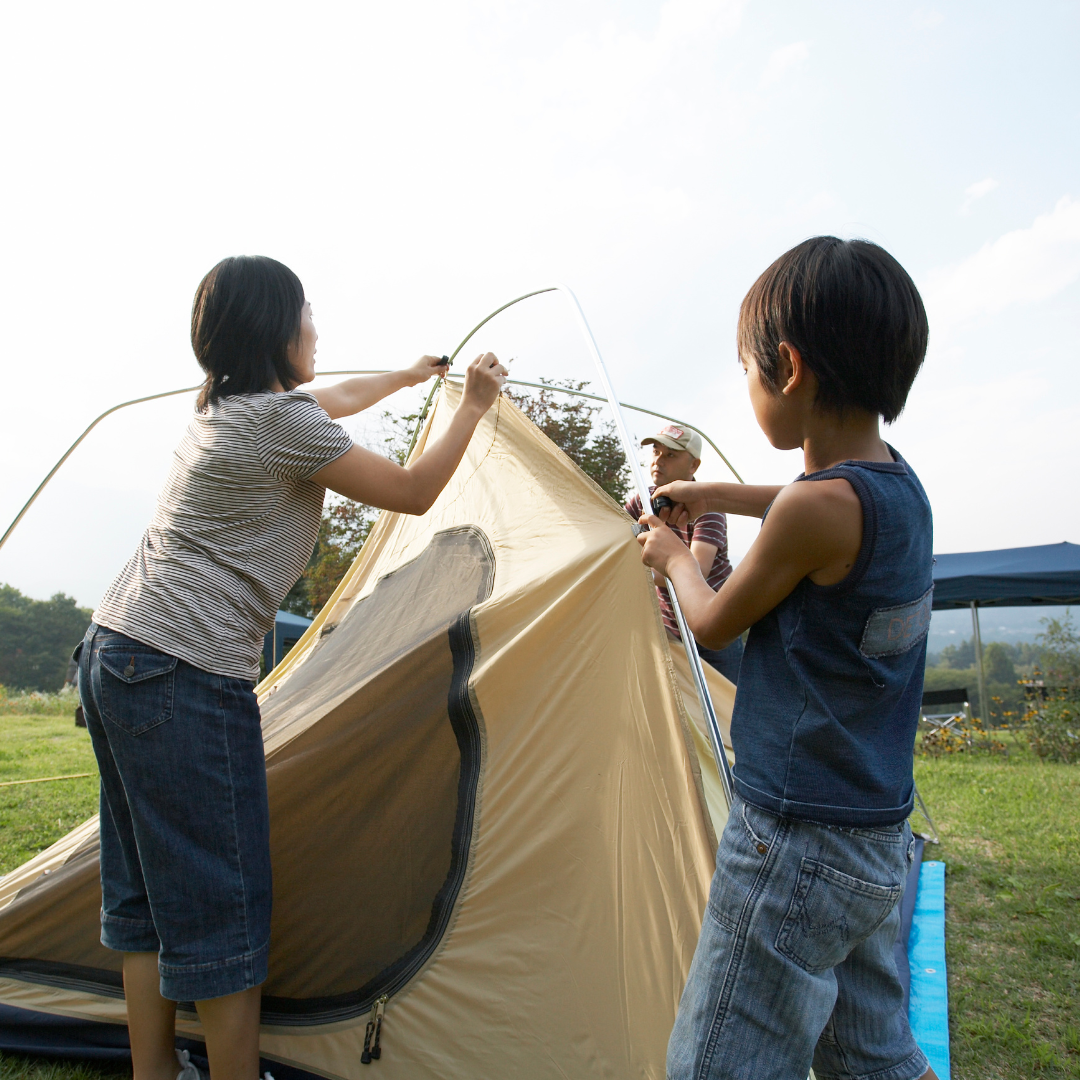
(1010, 577)
(928, 1005)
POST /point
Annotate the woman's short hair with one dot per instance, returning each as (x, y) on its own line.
(245, 316)
(853, 313)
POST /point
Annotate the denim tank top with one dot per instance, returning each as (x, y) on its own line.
(830, 686)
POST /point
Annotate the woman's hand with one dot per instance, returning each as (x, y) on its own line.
(369, 478)
(484, 378)
(424, 368)
(661, 546)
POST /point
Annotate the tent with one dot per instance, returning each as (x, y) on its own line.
(493, 805)
(1009, 577)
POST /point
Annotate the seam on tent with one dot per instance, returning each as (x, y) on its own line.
(465, 719)
(466, 634)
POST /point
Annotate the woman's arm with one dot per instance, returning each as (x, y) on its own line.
(354, 395)
(370, 478)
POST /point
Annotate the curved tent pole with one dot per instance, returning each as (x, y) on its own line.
(94, 423)
(642, 487)
(71, 449)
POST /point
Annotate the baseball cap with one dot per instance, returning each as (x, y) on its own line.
(675, 437)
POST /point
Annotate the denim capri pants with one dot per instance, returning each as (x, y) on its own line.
(185, 824)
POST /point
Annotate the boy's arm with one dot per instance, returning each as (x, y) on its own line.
(693, 498)
(814, 530)
(354, 395)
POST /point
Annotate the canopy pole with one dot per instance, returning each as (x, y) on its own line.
(984, 705)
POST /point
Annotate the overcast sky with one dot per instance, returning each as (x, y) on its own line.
(418, 164)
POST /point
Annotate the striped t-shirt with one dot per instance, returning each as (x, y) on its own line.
(234, 528)
(709, 529)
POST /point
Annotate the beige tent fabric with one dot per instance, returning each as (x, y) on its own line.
(517, 614)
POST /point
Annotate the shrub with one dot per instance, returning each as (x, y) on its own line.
(1052, 721)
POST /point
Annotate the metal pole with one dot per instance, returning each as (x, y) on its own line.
(984, 705)
(689, 644)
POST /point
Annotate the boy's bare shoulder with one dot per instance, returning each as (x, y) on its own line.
(824, 519)
(813, 497)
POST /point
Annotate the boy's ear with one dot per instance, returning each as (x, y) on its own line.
(790, 369)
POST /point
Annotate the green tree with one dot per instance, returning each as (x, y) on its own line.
(958, 656)
(37, 638)
(998, 663)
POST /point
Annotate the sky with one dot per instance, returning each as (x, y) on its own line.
(418, 164)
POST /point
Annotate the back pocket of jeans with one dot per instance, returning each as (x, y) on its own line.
(137, 686)
(830, 913)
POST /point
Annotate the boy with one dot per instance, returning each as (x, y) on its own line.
(794, 964)
(676, 455)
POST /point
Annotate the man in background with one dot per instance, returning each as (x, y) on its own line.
(676, 455)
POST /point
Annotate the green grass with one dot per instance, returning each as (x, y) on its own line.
(33, 816)
(1010, 831)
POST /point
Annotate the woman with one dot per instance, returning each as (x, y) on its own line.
(169, 663)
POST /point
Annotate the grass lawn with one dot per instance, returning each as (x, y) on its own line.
(1010, 838)
(1010, 831)
(33, 816)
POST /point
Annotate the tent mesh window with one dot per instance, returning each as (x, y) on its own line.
(369, 861)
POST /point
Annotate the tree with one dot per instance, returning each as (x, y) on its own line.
(998, 663)
(37, 638)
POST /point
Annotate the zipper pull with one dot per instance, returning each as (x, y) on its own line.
(372, 1049)
(380, 1009)
(365, 1057)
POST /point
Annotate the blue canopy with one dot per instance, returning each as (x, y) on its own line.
(1011, 577)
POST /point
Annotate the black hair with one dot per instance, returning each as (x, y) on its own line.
(245, 316)
(853, 313)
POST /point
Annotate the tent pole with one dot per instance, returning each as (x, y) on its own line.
(984, 705)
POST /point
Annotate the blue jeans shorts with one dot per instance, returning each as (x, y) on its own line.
(794, 966)
(185, 825)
